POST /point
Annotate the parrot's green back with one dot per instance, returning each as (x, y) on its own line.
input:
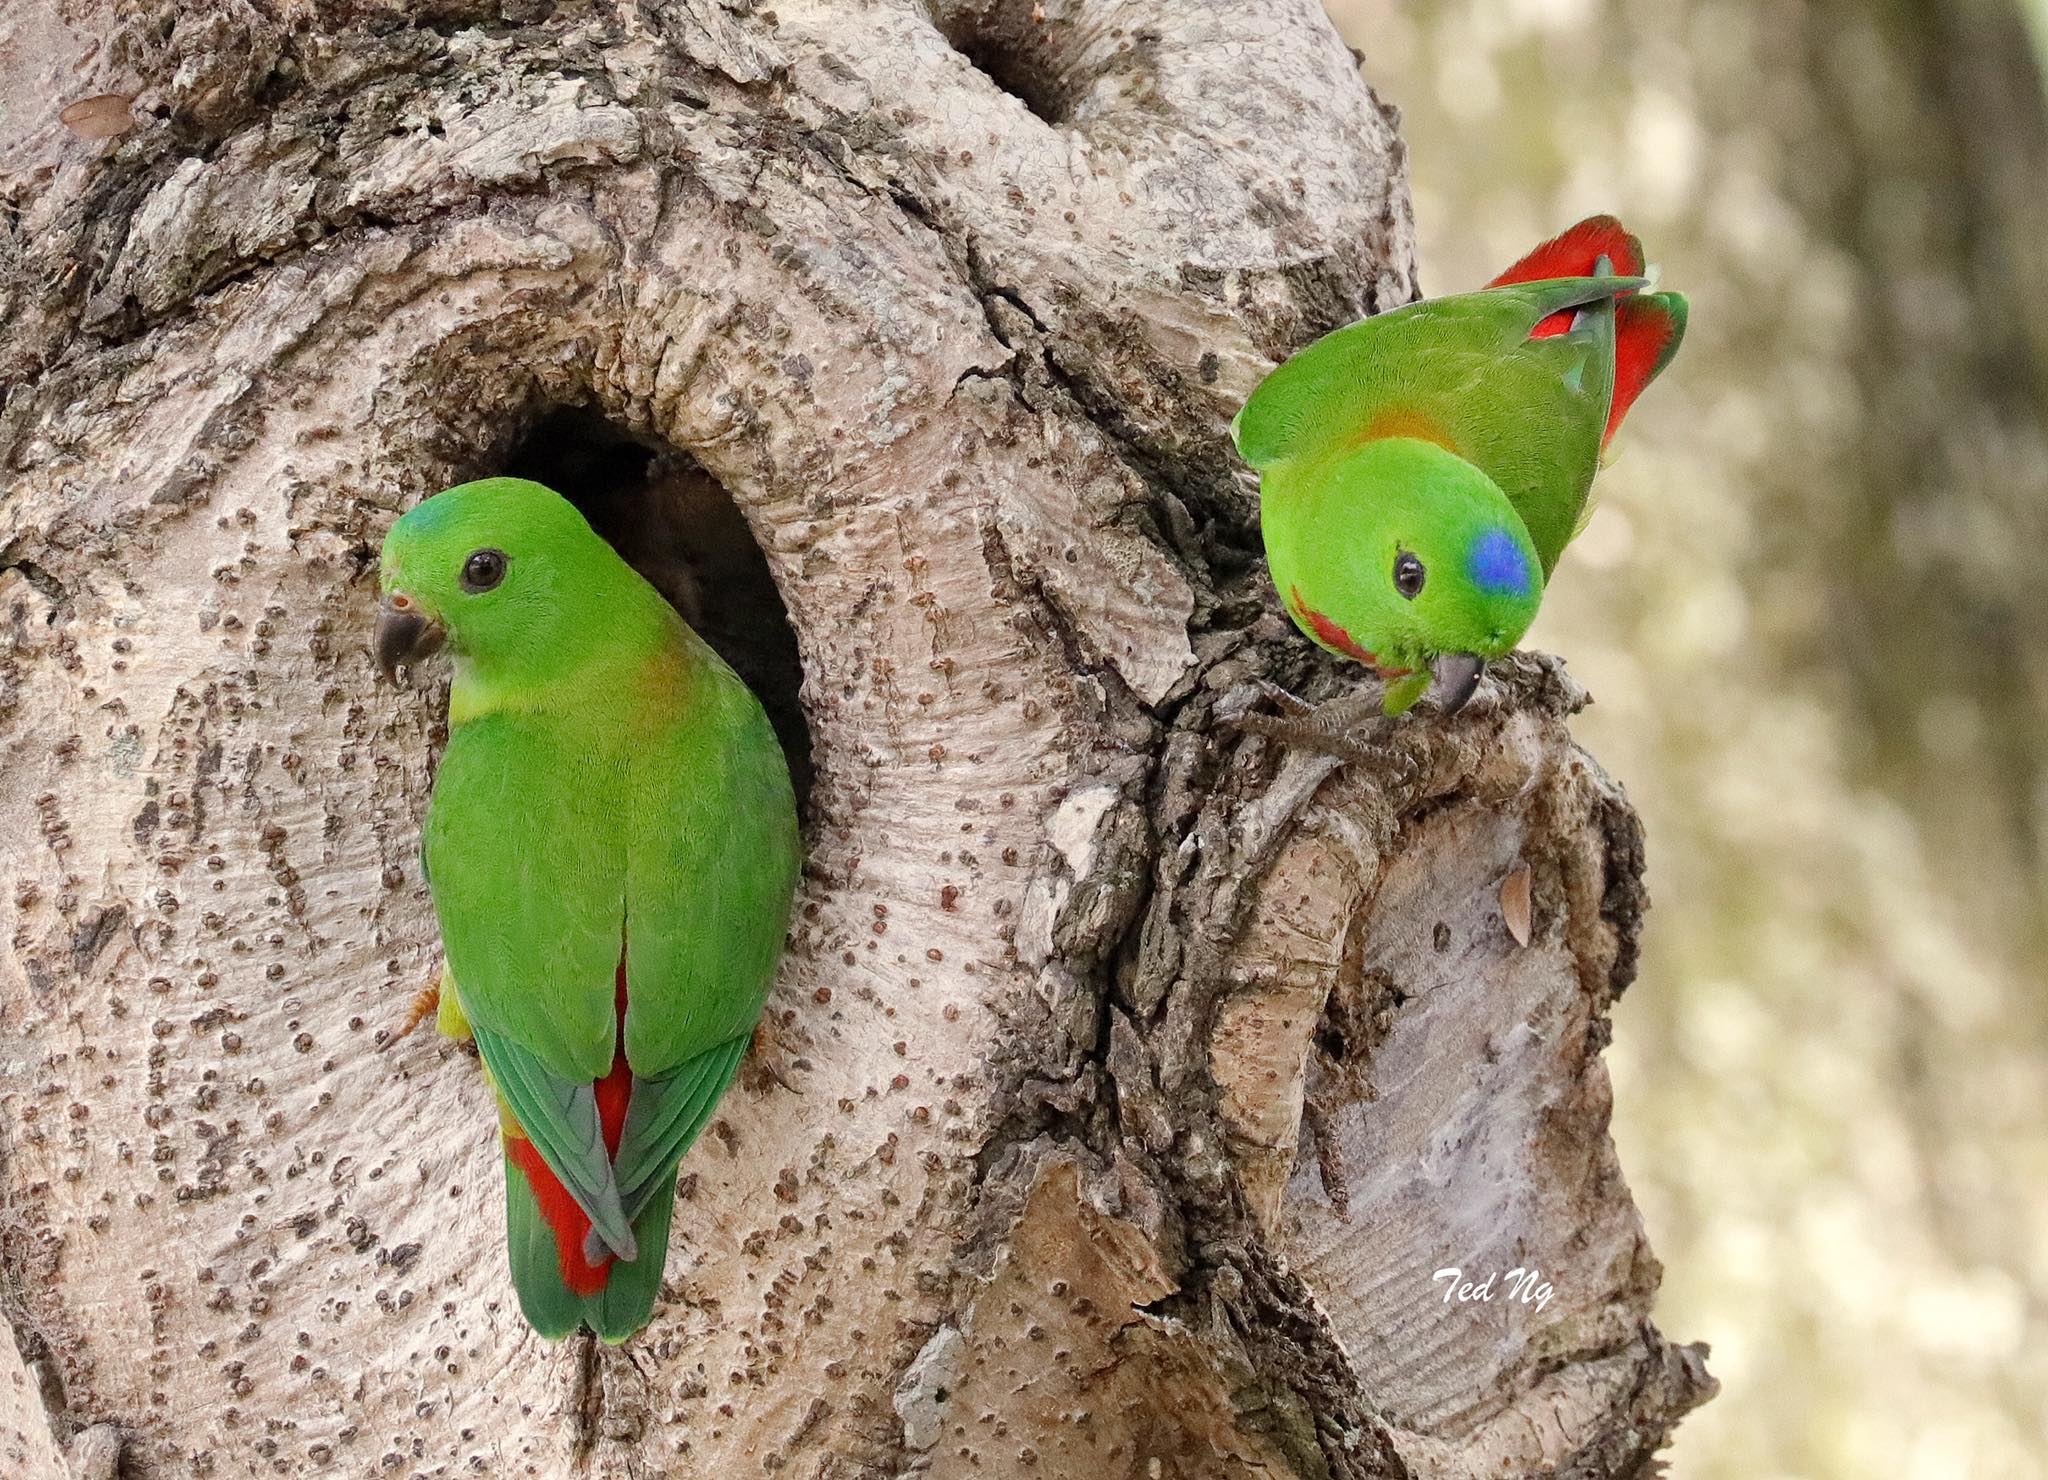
(1461, 372)
(612, 848)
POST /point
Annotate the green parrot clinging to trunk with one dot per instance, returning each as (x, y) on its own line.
(612, 849)
(1421, 471)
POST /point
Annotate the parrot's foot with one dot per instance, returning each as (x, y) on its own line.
(1290, 704)
(767, 1061)
(438, 1000)
(1353, 728)
(425, 1005)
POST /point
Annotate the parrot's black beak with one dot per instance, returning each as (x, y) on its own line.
(1457, 677)
(404, 635)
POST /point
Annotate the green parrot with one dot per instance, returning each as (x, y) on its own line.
(1421, 471)
(612, 851)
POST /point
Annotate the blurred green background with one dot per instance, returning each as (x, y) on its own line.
(1812, 613)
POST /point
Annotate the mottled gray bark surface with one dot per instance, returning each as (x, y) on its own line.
(1133, 1076)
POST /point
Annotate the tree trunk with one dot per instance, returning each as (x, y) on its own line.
(1133, 1077)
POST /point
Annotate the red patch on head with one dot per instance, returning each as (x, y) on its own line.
(1331, 635)
(558, 1207)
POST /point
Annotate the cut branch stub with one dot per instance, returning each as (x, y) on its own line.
(1417, 1104)
(1345, 1078)
(962, 368)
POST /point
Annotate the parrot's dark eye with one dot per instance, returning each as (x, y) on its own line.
(483, 570)
(1408, 575)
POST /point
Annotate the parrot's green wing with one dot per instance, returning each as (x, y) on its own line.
(665, 1117)
(1326, 397)
(704, 920)
(529, 886)
(1464, 372)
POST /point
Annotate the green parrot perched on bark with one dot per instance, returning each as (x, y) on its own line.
(1421, 471)
(612, 851)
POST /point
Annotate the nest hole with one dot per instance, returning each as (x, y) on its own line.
(677, 526)
(1009, 47)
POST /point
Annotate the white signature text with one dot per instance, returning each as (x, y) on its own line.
(1526, 1285)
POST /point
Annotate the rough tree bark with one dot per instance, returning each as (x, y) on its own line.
(1137, 1076)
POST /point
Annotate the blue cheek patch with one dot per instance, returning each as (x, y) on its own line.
(1498, 566)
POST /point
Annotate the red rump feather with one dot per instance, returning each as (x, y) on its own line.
(1643, 328)
(562, 1213)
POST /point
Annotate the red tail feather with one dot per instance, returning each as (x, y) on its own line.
(558, 1208)
(1643, 332)
(1576, 253)
(1643, 327)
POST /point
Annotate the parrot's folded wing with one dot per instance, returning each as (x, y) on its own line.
(664, 1117)
(1522, 306)
(705, 920)
(529, 885)
(561, 1120)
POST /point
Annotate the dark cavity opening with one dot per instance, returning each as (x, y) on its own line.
(677, 526)
(1009, 48)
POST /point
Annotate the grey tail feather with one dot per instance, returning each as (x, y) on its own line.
(594, 1248)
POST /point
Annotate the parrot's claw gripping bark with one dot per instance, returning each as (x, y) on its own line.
(1352, 728)
(438, 1000)
(1290, 704)
(1338, 727)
